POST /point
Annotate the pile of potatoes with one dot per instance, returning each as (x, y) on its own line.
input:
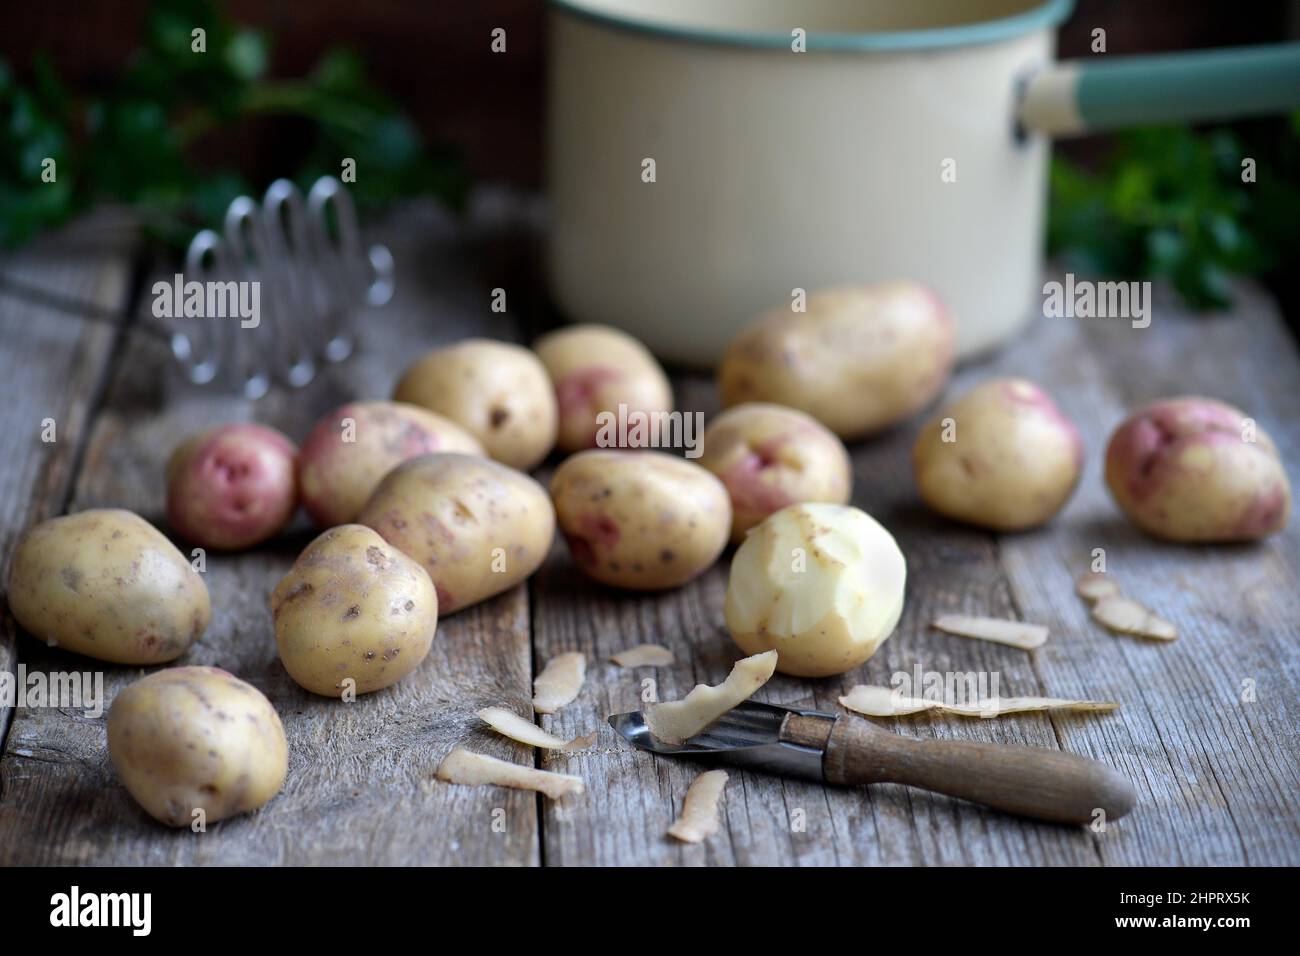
(426, 508)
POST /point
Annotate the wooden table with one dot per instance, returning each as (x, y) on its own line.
(1216, 768)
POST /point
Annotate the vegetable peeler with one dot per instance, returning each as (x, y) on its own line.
(850, 751)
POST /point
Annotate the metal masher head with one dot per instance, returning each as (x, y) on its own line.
(311, 274)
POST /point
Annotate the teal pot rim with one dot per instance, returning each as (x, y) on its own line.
(1050, 13)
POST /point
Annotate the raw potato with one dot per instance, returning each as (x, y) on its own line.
(1093, 586)
(500, 393)
(1014, 460)
(107, 584)
(470, 769)
(509, 724)
(699, 819)
(1126, 616)
(559, 682)
(196, 738)
(350, 450)
(232, 487)
(478, 527)
(1014, 633)
(596, 368)
(769, 456)
(885, 702)
(821, 584)
(677, 721)
(353, 608)
(858, 360)
(1196, 469)
(643, 520)
(645, 655)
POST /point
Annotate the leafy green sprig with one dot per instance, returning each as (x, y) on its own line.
(1170, 202)
(140, 142)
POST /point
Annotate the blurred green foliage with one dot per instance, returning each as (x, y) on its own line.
(136, 142)
(1170, 202)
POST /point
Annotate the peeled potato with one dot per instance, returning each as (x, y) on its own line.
(820, 584)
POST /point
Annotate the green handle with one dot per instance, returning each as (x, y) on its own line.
(1107, 93)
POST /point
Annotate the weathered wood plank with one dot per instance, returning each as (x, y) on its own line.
(633, 797)
(53, 365)
(360, 788)
(1218, 776)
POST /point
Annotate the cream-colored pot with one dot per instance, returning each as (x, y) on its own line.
(708, 157)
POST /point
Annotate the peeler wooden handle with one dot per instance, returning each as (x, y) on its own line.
(1030, 781)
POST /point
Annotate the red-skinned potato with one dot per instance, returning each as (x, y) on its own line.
(1002, 456)
(350, 450)
(1197, 469)
(498, 392)
(643, 520)
(858, 359)
(596, 368)
(476, 526)
(232, 486)
(769, 456)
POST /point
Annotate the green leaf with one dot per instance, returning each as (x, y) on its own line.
(137, 141)
(1170, 202)
(246, 55)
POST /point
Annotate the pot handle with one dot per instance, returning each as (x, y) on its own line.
(1079, 97)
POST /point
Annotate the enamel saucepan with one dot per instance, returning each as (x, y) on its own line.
(707, 157)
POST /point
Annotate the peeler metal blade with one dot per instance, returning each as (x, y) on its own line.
(749, 736)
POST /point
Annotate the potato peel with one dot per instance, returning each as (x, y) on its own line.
(645, 655)
(676, 721)
(471, 769)
(559, 682)
(1126, 616)
(1093, 586)
(699, 819)
(509, 724)
(885, 702)
(998, 630)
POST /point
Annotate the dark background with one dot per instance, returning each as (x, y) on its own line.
(433, 57)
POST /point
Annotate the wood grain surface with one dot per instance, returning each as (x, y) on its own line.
(1215, 766)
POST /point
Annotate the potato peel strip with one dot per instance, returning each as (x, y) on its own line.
(998, 630)
(1126, 616)
(886, 702)
(645, 655)
(699, 819)
(559, 682)
(471, 769)
(1093, 586)
(509, 724)
(675, 721)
